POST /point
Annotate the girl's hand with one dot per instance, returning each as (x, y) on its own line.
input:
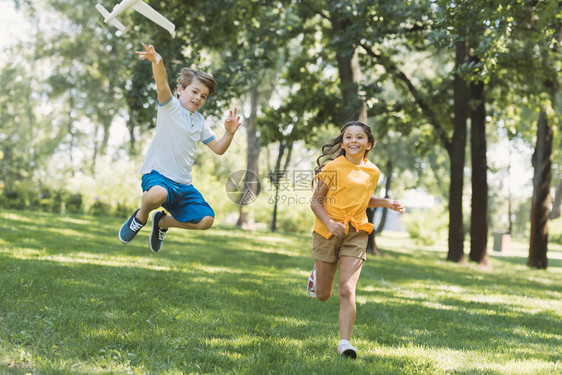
(396, 206)
(149, 54)
(337, 228)
(232, 123)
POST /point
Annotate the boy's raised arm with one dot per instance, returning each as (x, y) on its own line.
(158, 70)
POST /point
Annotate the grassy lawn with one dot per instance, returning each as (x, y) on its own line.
(75, 300)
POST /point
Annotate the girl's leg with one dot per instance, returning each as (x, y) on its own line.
(169, 222)
(350, 269)
(325, 275)
(151, 200)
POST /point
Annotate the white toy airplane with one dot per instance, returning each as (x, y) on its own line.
(141, 7)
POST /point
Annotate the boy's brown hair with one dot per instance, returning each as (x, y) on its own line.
(187, 76)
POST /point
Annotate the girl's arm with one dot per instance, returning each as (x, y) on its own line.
(317, 206)
(388, 203)
(159, 72)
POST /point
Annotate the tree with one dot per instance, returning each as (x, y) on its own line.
(451, 133)
(88, 74)
(533, 62)
(25, 147)
(557, 201)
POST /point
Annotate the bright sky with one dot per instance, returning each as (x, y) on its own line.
(12, 25)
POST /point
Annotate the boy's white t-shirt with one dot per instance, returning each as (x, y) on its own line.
(172, 150)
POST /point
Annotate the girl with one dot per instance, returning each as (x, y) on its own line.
(346, 181)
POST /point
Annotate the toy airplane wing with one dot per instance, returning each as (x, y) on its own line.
(114, 22)
(141, 7)
(149, 12)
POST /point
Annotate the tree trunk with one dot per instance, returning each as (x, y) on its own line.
(555, 213)
(479, 214)
(388, 174)
(251, 185)
(541, 194)
(279, 174)
(355, 107)
(349, 72)
(456, 151)
(276, 177)
(509, 195)
(105, 139)
(96, 150)
(288, 157)
(70, 128)
(371, 242)
(131, 124)
(357, 77)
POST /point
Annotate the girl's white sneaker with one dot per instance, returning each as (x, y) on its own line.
(347, 350)
(312, 283)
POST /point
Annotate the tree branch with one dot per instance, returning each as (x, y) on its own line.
(393, 69)
(321, 14)
(412, 29)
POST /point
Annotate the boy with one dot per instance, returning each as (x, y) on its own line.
(166, 179)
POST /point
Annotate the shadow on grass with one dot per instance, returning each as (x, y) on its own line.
(119, 317)
(520, 260)
(431, 269)
(436, 304)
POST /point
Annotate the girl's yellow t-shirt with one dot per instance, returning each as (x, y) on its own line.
(350, 187)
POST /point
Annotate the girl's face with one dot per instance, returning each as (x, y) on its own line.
(355, 142)
(194, 96)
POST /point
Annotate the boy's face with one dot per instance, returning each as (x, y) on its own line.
(194, 96)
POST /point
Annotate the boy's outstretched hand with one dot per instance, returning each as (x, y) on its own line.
(149, 54)
(232, 123)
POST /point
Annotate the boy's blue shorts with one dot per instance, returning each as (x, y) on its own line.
(185, 203)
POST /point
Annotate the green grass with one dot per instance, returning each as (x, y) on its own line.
(75, 300)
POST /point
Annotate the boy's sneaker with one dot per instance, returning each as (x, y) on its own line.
(130, 228)
(158, 234)
(347, 350)
(312, 283)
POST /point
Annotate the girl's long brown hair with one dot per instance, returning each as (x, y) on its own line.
(333, 150)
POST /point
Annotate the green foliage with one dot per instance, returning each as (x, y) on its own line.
(295, 219)
(73, 203)
(293, 211)
(20, 196)
(51, 200)
(122, 210)
(213, 189)
(25, 197)
(427, 226)
(26, 141)
(99, 208)
(66, 87)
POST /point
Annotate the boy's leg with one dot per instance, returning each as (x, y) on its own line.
(350, 269)
(157, 235)
(162, 222)
(151, 200)
(169, 222)
(130, 228)
(325, 275)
